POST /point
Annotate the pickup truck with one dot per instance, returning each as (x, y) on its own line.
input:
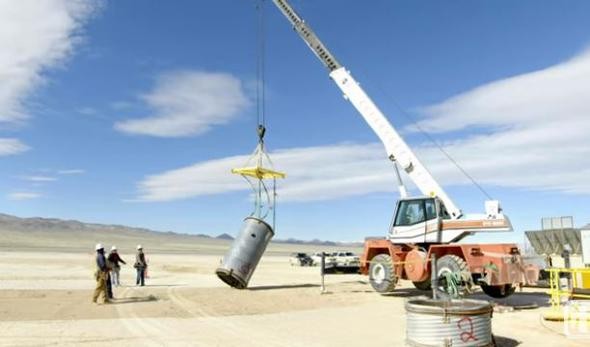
(346, 260)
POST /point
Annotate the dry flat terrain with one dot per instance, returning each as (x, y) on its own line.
(45, 299)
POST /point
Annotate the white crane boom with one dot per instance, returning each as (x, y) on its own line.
(395, 146)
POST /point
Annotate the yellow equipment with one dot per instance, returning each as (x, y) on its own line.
(257, 169)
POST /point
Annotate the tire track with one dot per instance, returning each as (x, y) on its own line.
(148, 332)
(222, 325)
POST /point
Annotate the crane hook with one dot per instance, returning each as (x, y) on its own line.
(261, 131)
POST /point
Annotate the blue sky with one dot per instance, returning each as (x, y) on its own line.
(133, 112)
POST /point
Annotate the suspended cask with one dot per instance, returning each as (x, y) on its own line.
(241, 260)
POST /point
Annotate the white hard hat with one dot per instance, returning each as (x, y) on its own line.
(114, 248)
(139, 247)
(99, 246)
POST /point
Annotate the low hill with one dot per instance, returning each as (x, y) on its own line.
(50, 234)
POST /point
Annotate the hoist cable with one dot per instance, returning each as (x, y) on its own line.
(262, 62)
(431, 139)
(441, 149)
(260, 65)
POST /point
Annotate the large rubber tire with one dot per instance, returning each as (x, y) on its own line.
(424, 285)
(498, 292)
(454, 264)
(381, 274)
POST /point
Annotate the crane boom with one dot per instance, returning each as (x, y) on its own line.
(396, 148)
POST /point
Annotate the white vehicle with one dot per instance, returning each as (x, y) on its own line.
(346, 259)
(317, 258)
(330, 259)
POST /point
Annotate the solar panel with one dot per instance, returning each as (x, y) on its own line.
(553, 241)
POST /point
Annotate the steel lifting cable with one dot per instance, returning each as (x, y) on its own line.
(254, 168)
(260, 65)
(440, 148)
(261, 208)
(428, 137)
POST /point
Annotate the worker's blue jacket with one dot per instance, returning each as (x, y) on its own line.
(101, 262)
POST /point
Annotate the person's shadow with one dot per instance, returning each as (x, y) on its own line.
(134, 299)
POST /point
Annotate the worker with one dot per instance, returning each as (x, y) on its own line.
(100, 275)
(115, 259)
(140, 266)
(108, 281)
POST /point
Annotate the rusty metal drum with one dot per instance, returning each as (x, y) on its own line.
(241, 260)
(457, 323)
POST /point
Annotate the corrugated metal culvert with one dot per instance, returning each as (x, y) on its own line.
(455, 323)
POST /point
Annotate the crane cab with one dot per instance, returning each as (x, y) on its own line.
(418, 219)
(426, 220)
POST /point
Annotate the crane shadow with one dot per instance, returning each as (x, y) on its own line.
(502, 341)
(518, 300)
(285, 286)
(407, 293)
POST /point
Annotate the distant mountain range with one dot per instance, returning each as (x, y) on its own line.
(38, 224)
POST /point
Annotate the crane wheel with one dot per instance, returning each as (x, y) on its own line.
(381, 274)
(452, 264)
(498, 292)
(423, 285)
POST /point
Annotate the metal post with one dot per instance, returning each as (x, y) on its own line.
(433, 276)
(567, 264)
(323, 271)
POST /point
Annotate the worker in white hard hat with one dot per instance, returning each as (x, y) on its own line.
(140, 265)
(114, 259)
(101, 275)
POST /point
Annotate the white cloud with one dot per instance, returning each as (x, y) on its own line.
(536, 129)
(534, 100)
(39, 178)
(35, 35)
(210, 177)
(188, 103)
(306, 180)
(537, 138)
(20, 196)
(12, 147)
(71, 172)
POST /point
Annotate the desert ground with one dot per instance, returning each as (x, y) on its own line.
(45, 299)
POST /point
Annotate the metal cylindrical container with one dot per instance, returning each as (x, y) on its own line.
(456, 323)
(241, 260)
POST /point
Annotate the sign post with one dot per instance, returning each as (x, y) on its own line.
(323, 271)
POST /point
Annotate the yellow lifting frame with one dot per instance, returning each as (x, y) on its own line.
(258, 172)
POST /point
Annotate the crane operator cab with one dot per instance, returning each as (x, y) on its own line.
(426, 220)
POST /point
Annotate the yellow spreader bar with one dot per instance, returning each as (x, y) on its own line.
(258, 172)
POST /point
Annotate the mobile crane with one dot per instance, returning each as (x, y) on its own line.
(427, 225)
